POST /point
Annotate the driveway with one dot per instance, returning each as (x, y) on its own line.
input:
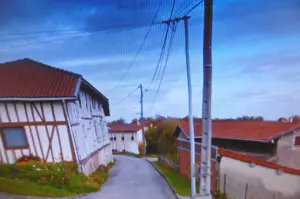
(131, 178)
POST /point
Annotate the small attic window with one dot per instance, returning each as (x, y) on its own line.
(297, 141)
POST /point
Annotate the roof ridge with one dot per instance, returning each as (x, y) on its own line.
(43, 65)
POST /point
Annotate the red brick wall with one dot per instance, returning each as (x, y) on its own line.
(184, 167)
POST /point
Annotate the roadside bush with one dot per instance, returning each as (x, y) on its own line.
(220, 195)
(28, 158)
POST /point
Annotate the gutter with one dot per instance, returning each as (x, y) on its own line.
(37, 99)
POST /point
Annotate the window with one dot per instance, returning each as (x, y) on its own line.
(297, 141)
(14, 138)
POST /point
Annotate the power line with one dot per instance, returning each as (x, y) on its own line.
(166, 62)
(140, 48)
(193, 8)
(183, 6)
(158, 67)
(160, 57)
(183, 11)
(126, 96)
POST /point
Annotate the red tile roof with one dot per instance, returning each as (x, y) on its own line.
(257, 161)
(123, 127)
(29, 79)
(246, 130)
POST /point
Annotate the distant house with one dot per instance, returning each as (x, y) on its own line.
(52, 113)
(268, 140)
(126, 137)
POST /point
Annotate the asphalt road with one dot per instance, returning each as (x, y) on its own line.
(131, 178)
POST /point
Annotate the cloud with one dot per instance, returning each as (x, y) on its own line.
(255, 59)
(90, 61)
(250, 93)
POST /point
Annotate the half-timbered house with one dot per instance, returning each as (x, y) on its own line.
(53, 114)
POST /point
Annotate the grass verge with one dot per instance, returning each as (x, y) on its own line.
(26, 188)
(181, 184)
(152, 156)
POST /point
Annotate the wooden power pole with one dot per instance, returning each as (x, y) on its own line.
(142, 118)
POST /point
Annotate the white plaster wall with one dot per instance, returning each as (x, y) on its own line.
(262, 182)
(287, 153)
(128, 144)
(20, 113)
(89, 127)
(140, 136)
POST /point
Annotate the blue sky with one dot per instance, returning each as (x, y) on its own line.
(256, 52)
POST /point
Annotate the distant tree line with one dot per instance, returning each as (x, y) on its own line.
(158, 118)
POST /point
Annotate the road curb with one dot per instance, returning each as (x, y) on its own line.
(36, 197)
(167, 181)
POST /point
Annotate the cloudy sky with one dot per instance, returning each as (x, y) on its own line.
(256, 52)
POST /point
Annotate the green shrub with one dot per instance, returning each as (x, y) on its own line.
(58, 175)
(28, 158)
(220, 195)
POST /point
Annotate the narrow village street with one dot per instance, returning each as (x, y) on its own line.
(131, 178)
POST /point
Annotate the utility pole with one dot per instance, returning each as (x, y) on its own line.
(142, 118)
(205, 175)
(191, 119)
(190, 105)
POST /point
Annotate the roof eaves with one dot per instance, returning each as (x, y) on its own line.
(284, 133)
(77, 88)
(181, 129)
(253, 140)
(36, 98)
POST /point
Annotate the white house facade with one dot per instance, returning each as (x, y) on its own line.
(53, 114)
(126, 137)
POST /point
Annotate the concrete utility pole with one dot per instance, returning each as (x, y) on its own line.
(142, 118)
(205, 175)
(191, 119)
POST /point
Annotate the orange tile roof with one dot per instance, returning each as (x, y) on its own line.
(118, 127)
(29, 79)
(243, 130)
(25, 78)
